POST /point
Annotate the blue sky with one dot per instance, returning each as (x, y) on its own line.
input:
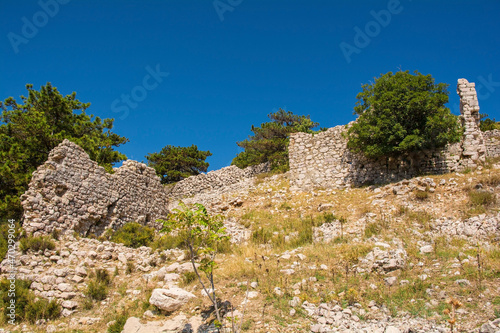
(220, 66)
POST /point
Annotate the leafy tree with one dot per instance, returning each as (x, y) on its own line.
(32, 128)
(176, 163)
(203, 235)
(269, 142)
(488, 124)
(400, 113)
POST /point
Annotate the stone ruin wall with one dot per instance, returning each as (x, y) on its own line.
(71, 192)
(323, 160)
(492, 142)
(213, 181)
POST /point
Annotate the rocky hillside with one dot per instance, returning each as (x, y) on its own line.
(415, 256)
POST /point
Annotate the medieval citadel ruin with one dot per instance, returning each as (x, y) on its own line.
(71, 192)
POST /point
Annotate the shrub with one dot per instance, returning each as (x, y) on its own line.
(39, 243)
(133, 235)
(117, 326)
(188, 277)
(372, 229)
(28, 306)
(421, 195)
(97, 291)
(102, 276)
(97, 288)
(169, 241)
(329, 217)
(130, 267)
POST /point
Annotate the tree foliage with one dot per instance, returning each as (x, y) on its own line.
(176, 163)
(32, 128)
(487, 124)
(269, 142)
(400, 113)
(203, 235)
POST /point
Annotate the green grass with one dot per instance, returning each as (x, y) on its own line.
(481, 198)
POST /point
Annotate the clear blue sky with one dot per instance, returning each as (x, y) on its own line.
(229, 67)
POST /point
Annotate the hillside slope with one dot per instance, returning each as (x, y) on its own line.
(391, 258)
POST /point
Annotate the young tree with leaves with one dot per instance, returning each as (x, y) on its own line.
(400, 113)
(173, 164)
(269, 142)
(203, 234)
(32, 128)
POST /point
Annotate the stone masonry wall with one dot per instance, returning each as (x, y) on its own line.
(492, 142)
(323, 160)
(217, 180)
(71, 192)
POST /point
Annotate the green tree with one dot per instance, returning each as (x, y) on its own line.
(269, 142)
(487, 124)
(203, 235)
(32, 128)
(176, 163)
(400, 113)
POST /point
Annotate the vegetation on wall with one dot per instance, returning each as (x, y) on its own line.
(269, 142)
(402, 112)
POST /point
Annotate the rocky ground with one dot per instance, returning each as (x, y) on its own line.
(404, 257)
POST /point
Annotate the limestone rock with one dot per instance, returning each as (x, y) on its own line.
(170, 299)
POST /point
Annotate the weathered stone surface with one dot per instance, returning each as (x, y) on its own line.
(71, 192)
(170, 299)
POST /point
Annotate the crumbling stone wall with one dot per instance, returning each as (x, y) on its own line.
(71, 192)
(323, 159)
(492, 142)
(213, 181)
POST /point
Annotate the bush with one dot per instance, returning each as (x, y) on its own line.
(117, 326)
(133, 235)
(97, 288)
(39, 243)
(166, 242)
(401, 113)
(28, 306)
(97, 291)
(421, 195)
(372, 229)
(188, 277)
(102, 276)
(130, 267)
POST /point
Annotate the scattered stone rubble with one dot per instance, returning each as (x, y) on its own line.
(331, 317)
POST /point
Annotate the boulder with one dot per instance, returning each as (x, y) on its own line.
(170, 299)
